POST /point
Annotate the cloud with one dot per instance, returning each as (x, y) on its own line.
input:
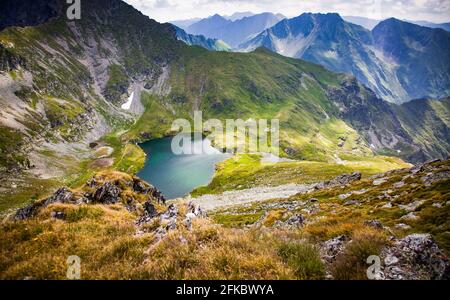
(167, 10)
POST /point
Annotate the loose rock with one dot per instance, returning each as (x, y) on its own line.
(415, 257)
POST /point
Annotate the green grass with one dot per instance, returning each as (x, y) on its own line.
(117, 84)
(304, 259)
(232, 220)
(246, 171)
(10, 142)
(156, 120)
(28, 189)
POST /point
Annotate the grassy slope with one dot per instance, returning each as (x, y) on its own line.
(247, 171)
(332, 218)
(62, 88)
(104, 236)
(432, 132)
(259, 85)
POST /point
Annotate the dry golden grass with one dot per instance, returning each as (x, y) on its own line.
(105, 239)
(111, 246)
(351, 264)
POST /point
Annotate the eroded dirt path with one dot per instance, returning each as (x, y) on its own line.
(257, 194)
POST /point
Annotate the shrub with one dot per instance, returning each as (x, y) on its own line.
(303, 259)
(351, 264)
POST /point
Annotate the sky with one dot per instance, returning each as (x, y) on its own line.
(437, 11)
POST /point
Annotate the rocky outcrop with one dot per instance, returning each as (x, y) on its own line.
(108, 193)
(99, 190)
(374, 224)
(26, 212)
(434, 177)
(295, 221)
(330, 249)
(9, 61)
(339, 180)
(415, 257)
(140, 186)
(171, 218)
(63, 195)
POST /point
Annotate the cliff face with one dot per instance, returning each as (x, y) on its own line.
(28, 12)
(417, 130)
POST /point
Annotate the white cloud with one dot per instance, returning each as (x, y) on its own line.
(167, 10)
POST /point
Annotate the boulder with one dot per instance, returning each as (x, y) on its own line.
(108, 193)
(58, 215)
(149, 214)
(330, 249)
(387, 205)
(196, 209)
(63, 195)
(171, 212)
(410, 217)
(415, 257)
(25, 213)
(339, 180)
(351, 202)
(411, 206)
(402, 226)
(140, 187)
(149, 209)
(296, 220)
(399, 184)
(380, 181)
(374, 224)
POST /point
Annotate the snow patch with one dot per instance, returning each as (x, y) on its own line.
(127, 105)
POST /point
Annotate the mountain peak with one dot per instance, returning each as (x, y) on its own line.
(333, 17)
(396, 23)
(216, 16)
(239, 15)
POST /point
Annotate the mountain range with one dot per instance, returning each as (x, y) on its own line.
(371, 23)
(183, 24)
(63, 85)
(200, 40)
(233, 32)
(400, 61)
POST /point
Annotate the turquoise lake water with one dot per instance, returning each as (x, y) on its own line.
(177, 175)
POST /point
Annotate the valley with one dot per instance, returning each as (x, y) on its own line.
(86, 114)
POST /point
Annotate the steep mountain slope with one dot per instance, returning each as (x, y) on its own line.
(61, 87)
(208, 26)
(322, 115)
(183, 24)
(239, 15)
(396, 76)
(27, 12)
(413, 130)
(371, 23)
(361, 21)
(234, 32)
(445, 26)
(200, 40)
(421, 55)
